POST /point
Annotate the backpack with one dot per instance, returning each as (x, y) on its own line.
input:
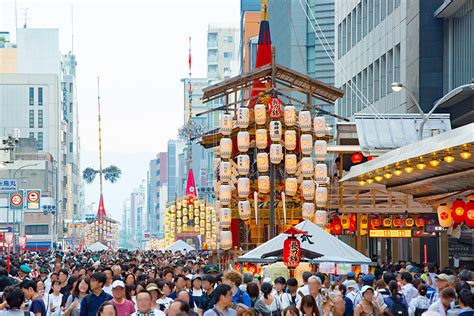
(398, 307)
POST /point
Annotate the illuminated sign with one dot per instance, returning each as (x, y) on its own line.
(390, 233)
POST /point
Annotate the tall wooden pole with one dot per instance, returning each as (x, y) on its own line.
(190, 117)
(100, 139)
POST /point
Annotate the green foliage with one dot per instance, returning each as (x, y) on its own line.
(88, 175)
(112, 173)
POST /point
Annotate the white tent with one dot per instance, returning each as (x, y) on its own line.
(97, 246)
(331, 248)
(179, 245)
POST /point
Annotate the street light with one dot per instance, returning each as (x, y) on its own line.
(397, 86)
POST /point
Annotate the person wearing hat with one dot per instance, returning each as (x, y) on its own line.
(196, 291)
(368, 280)
(155, 293)
(124, 307)
(212, 270)
(24, 273)
(349, 276)
(352, 290)
(367, 306)
(442, 282)
(207, 298)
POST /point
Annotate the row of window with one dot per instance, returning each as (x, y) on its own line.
(32, 119)
(39, 140)
(362, 20)
(373, 83)
(36, 229)
(32, 96)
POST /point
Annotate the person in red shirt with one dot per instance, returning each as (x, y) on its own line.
(124, 307)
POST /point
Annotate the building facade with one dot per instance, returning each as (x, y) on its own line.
(222, 52)
(157, 177)
(138, 215)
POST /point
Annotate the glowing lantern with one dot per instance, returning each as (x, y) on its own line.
(459, 211)
(345, 221)
(336, 225)
(263, 183)
(290, 139)
(226, 147)
(387, 222)
(276, 153)
(289, 115)
(291, 252)
(444, 216)
(470, 214)
(356, 158)
(375, 223)
(321, 173)
(262, 162)
(244, 210)
(243, 187)
(226, 124)
(420, 222)
(243, 117)
(275, 131)
(243, 164)
(291, 164)
(226, 240)
(304, 119)
(291, 186)
(353, 222)
(409, 222)
(307, 166)
(307, 211)
(307, 187)
(321, 196)
(306, 144)
(260, 114)
(225, 171)
(225, 194)
(363, 221)
(225, 217)
(261, 138)
(397, 222)
(243, 141)
(22, 242)
(321, 218)
(320, 149)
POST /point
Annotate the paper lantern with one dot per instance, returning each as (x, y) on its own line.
(363, 221)
(470, 214)
(356, 158)
(307, 166)
(321, 196)
(291, 186)
(243, 187)
(225, 171)
(262, 162)
(243, 141)
(321, 173)
(409, 222)
(320, 150)
(226, 240)
(178, 222)
(225, 217)
(244, 210)
(458, 211)
(387, 222)
(260, 114)
(307, 211)
(397, 222)
(345, 221)
(420, 222)
(328, 228)
(263, 183)
(274, 107)
(353, 222)
(304, 119)
(290, 139)
(261, 138)
(291, 164)
(276, 153)
(307, 188)
(225, 194)
(291, 252)
(243, 164)
(306, 144)
(243, 118)
(319, 126)
(375, 223)
(226, 124)
(289, 115)
(198, 204)
(275, 131)
(321, 218)
(444, 216)
(336, 225)
(225, 147)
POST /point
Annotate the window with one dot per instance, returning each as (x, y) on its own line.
(32, 96)
(158, 173)
(383, 76)
(227, 54)
(32, 135)
(71, 147)
(32, 118)
(39, 143)
(40, 96)
(396, 63)
(376, 80)
(389, 71)
(158, 194)
(36, 229)
(70, 107)
(226, 71)
(40, 118)
(228, 39)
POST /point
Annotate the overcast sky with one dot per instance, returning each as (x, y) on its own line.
(139, 49)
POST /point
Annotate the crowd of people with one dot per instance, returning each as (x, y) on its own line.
(137, 283)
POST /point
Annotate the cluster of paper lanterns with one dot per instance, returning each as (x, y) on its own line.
(99, 228)
(460, 212)
(185, 217)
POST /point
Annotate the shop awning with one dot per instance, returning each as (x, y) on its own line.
(179, 245)
(442, 180)
(38, 245)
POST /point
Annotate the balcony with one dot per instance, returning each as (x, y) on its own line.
(212, 59)
(212, 43)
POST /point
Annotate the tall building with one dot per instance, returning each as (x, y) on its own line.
(157, 177)
(379, 42)
(249, 28)
(175, 189)
(222, 52)
(138, 215)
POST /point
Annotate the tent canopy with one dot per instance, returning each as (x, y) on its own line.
(179, 245)
(331, 248)
(97, 246)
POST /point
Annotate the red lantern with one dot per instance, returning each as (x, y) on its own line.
(409, 222)
(458, 211)
(275, 108)
(353, 222)
(237, 266)
(291, 252)
(374, 223)
(252, 269)
(418, 233)
(470, 214)
(397, 222)
(420, 222)
(336, 225)
(356, 158)
(387, 222)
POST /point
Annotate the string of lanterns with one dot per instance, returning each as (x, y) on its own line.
(409, 165)
(460, 212)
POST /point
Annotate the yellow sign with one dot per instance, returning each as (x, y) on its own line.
(390, 233)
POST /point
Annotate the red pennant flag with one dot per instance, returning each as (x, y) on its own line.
(101, 211)
(264, 57)
(190, 185)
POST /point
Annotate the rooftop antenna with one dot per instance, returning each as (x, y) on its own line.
(25, 13)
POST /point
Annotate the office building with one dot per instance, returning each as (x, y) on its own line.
(138, 215)
(222, 52)
(157, 177)
(175, 188)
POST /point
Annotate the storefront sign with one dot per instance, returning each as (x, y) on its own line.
(343, 268)
(327, 267)
(390, 233)
(364, 268)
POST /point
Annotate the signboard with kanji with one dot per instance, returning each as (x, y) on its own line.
(390, 233)
(33, 198)
(8, 185)
(291, 252)
(16, 200)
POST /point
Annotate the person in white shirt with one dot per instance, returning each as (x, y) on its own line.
(55, 300)
(408, 290)
(284, 299)
(352, 290)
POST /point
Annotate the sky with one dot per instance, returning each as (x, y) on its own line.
(140, 51)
